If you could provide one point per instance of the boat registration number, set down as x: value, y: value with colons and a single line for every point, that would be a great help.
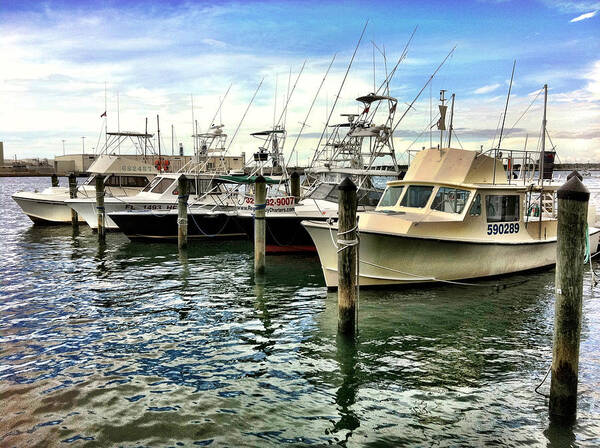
x: 503, y: 228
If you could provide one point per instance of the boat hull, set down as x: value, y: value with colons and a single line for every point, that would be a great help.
x: 45, y: 209
x: 387, y: 259
x: 153, y: 226
x: 284, y: 234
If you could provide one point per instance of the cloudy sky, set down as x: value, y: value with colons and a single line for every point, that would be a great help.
x: 57, y: 57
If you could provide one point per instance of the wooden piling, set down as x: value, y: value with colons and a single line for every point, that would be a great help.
x: 54, y: 180
x: 100, y: 207
x: 260, y: 205
x: 182, y: 218
x: 73, y: 195
x: 573, y: 200
x: 347, y: 257
x: 295, y: 185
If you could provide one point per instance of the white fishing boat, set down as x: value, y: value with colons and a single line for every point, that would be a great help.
x: 123, y: 177
x: 456, y: 215
x: 160, y: 195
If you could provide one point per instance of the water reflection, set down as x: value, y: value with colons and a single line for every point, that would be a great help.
x: 345, y: 397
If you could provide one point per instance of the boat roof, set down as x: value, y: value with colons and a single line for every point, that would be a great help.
x: 455, y: 166
x: 114, y: 164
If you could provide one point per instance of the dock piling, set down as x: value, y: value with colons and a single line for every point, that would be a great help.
x: 54, y: 180
x: 100, y: 207
x: 260, y: 205
x: 347, y: 257
x: 182, y: 218
x: 295, y: 186
x: 73, y: 195
x: 573, y: 199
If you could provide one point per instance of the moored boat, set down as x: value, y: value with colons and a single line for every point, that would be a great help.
x: 456, y: 215
x: 123, y: 177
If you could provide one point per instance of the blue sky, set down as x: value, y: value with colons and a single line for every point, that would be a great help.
x: 59, y: 54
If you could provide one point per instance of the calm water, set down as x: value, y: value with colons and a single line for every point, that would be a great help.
x: 131, y: 344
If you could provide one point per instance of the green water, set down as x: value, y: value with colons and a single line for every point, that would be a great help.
x: 129, y: 344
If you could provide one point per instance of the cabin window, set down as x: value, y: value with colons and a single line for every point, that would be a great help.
x: 391, y: 196
x: 162, y: 185
x: 152, y: 184
x: 476, y: 206
x: 502, y: 208
x: 112, y: 181
x: 416, y: 196
x: 326, y: 192
x: 450, y: 200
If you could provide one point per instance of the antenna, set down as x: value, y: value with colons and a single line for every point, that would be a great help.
x: 308, y: 113
x: 441, y: 124
x: 337, y: 97
x: 451, y: 121
x: 158, y: 132
x: 506, y: 106
x: 421, y: 91
x: 193, y: 125
x: 118, y: 123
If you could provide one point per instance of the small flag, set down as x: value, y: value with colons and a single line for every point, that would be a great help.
x: 103, y: 115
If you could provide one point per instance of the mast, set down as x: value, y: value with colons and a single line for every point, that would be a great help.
x: 146, y: 139
x: 194, y: 132
x: 442, y: 120
x: 118, y: 123
x: 506, y: 106
x: 451, y: 121
x: 105, y: 121
x: 337, y: 97
x: 158, y: 132
x: 543, y: 151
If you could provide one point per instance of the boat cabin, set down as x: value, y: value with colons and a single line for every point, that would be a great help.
x: 464, y: 195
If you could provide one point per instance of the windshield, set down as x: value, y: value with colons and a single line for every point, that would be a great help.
x: 390, y: 196
x: 416, y: 196
x: 450, y: 200
x: 327, y: 192
x: 162, y: 185
x: 151, y: 185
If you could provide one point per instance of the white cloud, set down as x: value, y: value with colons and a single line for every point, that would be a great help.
x: 486, y: 89
x: 587, y: 15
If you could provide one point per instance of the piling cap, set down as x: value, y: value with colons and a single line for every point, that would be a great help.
x: 295, y: 175
x: 574, y: 190
x: 260, y: 180
x: 347, y: 185
x: 575, y: 173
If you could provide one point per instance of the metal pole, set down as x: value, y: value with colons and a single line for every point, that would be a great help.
x: 573, y: 200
